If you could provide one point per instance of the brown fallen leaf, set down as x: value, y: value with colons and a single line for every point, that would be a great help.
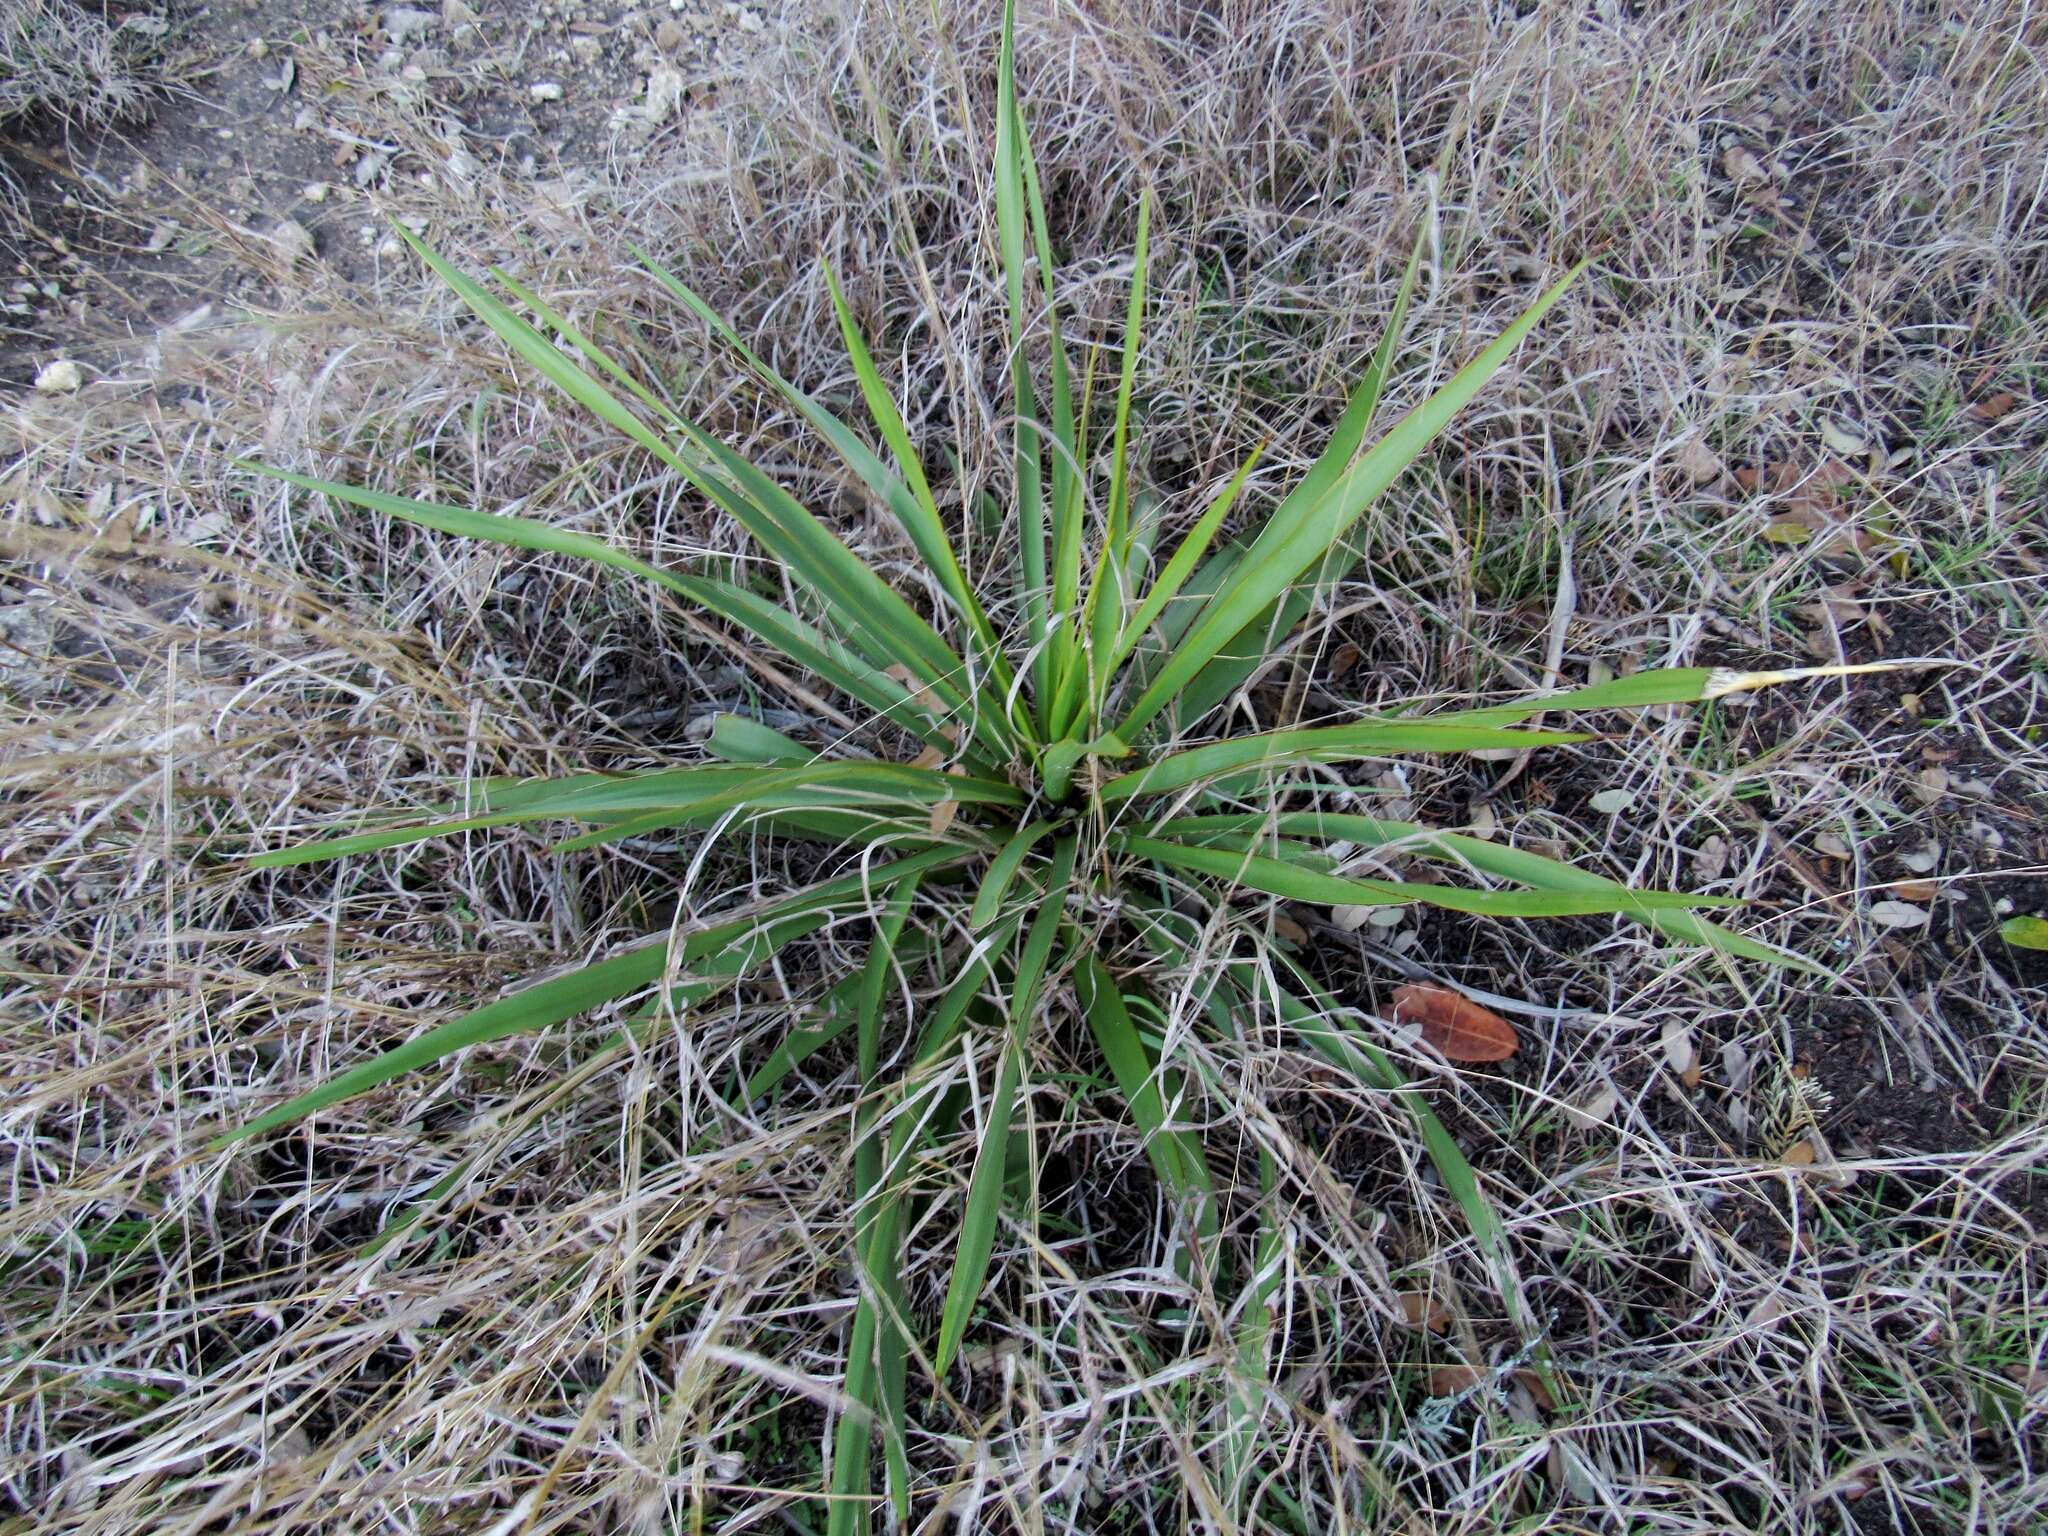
x: 1915, y: 890
x: 1774, y: 478
x: 1288, y: 929
x: 1454, y: 1024
x: 920, y: 695
x: 1992, y: 407
x: 1539, y: 1394
x: 1450, y: 1380
x: 1342, y: 660
x: 942, y: 817
x: 1420, y: 1310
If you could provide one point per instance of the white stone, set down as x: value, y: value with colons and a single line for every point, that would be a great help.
x: 59, y: 378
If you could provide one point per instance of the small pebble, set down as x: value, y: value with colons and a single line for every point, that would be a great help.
x: 59, y: 378
x: 545, y: 90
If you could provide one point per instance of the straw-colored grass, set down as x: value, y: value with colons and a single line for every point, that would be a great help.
x: 1795, y: 1288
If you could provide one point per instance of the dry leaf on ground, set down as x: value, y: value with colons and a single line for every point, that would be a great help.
x: 1454, y: 1024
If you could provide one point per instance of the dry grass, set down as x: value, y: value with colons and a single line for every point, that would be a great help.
x: 1798, y: 1290
x: 78, y: 64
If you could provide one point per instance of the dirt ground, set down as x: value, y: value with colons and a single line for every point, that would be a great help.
x: 280, y: 137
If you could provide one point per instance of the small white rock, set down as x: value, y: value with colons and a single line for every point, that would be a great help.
x: 1612, y: 802
x: 1898, y: 914
x: 403, y: 21
x: 293, y: 240
x: 1843, y: 439
x: 664, y: 93
x: 59, y: 378
x: 545, y: 90
x: 315, y: 191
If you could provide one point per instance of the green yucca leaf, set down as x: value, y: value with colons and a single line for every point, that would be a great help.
x: 1028, y: 450
x: 1320, y: 744
x: 1662, y: 685
x: 1175, y: 1153
x: 1002, y: 870
x: 1501, y: 860
x: 1325, y: 1028
x: 783, y: 631
x: 1272, y: 566
x: 874, y: 1368
x: 1250, y: 1379
x: 1276, y: 877
x: 914, y: 508
x: 1245, y: 652
x: 1066, y: 484
x: 761, y: 933
x: 882, y: 625
x: 985, y: 1185
x: 1102, y: 613
x: 740, y: 739
x: 1119, y: 451
x: 926, y: 528
x: 684, y: 797
x: 1166, y: 587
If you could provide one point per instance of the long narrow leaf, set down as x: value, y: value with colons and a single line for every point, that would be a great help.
x: 882, y: 1293
x: 579, y: 991
x: 1254, y: 642
x: 1166, y: 587
x: 926, y: 528
x: 1324, y: 1028
x: 1659, y: 685
x: 1066, y: 487
x: 1504, y: 861
x: 1002, y: 871
x: 985, y: 1185
x: 1320, y: 744
x: 884, y: 626
x: 1175, y: 1153
x: 1274, y: 565
x: 1259, y: 872
x: 837, y: 665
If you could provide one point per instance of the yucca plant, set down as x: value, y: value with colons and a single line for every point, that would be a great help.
x: 1067, y: 825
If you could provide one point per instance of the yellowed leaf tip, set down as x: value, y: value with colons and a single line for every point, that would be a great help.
x: 1723, y: 681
